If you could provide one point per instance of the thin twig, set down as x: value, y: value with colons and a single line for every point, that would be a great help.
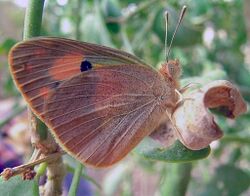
x: 10, y: 172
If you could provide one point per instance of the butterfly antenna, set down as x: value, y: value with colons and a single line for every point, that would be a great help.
x: 183, y: 10
x: 166, y: 35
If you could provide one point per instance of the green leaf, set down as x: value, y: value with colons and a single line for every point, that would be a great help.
x: 94, y: 28
x: 110, y: 9
x: 6, y: 45
x: 177, y: 153
x: 228, y: 180
x: 15, y: 186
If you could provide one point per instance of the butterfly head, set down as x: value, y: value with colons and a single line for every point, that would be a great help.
x: 171, y: 70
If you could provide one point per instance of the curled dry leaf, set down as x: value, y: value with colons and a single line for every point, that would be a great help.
x: 196, y: 127
x: 165, y: 132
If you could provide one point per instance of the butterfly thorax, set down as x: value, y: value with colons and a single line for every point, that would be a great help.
x: 171, y: 70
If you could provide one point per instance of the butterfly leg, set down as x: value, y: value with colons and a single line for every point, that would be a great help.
x: 180, y: 102
x: 186, y: 87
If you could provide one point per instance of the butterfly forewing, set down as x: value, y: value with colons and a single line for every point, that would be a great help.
x: 40, y: 65
x: 100, y: 115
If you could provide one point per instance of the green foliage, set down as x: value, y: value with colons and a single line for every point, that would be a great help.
x: 71, y: 164
x: 8, y: 87
x: 176, y: 179
x: 111, y: 9
x: 75, y: 180
x: 177, y: 153
x: 115, y: 177
x: 228, y: 180
x: 6, y: 45
x: 16, y: 187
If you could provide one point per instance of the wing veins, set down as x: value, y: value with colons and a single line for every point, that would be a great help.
x: 38, y: 105
x: 125, y: 133
x: 44, y: 70
x: 126, y: 75
x: 98, y: 147
x: 89, y: 134
x: 106, y: 106
x: 32, y: 54
x: 61, y: 134
x: 90, y: 112
x: 47, y: 57
x: 54, y: 48
x: 104, y: 95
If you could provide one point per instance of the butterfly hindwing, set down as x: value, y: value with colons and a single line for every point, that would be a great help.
x: 100, y: 115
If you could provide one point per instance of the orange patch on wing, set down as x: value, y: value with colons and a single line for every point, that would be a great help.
x: 65, y: 67
x: 45, y: 92
x: 40, y: 51
x: 98, y: 65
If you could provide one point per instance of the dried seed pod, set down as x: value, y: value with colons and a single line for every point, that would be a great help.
x: 165, y: 132
x: 195, y: 124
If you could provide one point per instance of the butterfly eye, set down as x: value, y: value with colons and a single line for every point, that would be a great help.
x: 172, y: 70
x: 85, y: 65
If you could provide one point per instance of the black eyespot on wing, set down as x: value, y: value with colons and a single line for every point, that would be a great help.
x: 56, y: 84
x: 85, y: 65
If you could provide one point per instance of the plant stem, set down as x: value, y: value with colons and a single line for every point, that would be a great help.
x: 78, y: 19
x: 41, y: 170
x: 41, y: 139
x: 86, y: 177
x: 76, y: 179
x: 33, y: 19
x: 176, y: 182
x: 32, y: 27
x: 235, y: 138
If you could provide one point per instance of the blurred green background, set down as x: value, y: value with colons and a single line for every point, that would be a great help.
x: 212, y: 43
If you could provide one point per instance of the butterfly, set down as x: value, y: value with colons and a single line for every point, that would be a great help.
x: 98, y: 102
